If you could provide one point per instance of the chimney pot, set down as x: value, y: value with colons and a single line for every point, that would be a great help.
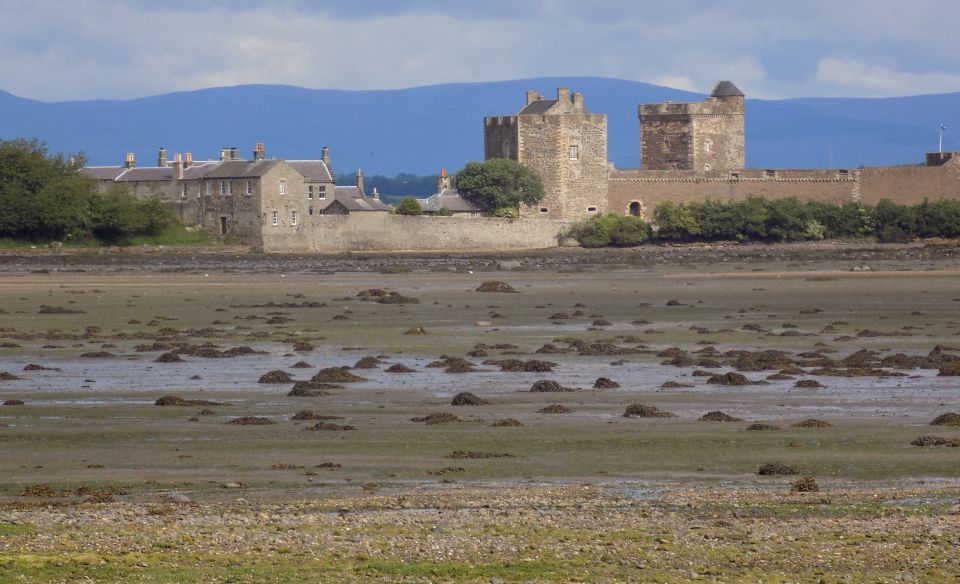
x: 131, y: 161
x: 258, y: 152
x: 162, y: 157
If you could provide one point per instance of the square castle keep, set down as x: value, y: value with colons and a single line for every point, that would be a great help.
x: 561, y: 141
x: 695, y: 136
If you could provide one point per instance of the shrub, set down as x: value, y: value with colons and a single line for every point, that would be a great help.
x: 610, y: 230
x: 895, y: 223
x: 408, y: 206
x: 444, y: 212
x: 675, y: 221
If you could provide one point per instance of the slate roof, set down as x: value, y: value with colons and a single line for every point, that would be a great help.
x: 354, y: 201
x: 103, y: 172
x: 448, y: 199
x: 537, y: 108
x: 241, y: 169
x: 146, y: 174
x: 312, y: 170
x: 726, y: 89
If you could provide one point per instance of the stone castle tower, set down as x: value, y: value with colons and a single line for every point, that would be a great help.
x: 562, y: 142
x: 695, y: 136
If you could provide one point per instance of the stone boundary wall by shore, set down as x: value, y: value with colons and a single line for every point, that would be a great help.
x: 364, y: 232
x: 905, y: 185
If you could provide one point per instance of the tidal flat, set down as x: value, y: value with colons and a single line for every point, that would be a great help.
x: 382, y: 478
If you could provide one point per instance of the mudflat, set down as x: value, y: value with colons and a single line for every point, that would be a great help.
x: 669, y: 414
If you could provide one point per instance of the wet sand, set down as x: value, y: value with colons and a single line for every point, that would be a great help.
x: 89, y: 421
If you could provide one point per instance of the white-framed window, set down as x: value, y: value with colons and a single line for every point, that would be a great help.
x: 223, y: 187
x: 283, y: 186
x: 309, y: 192
x: 230, y: 187
x: 275, y: 218
x: 293, y: 217
x: 574, y: 152
x: 183, y: 191
x: 206, y: 188
x: 249, y: 187
x: 322, y: 192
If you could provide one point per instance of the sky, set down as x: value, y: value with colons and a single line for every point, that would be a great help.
x: 101, y: 49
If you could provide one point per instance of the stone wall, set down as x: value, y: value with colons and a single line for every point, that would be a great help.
x: 650, y: 187
x: 905, y: 185
x: 387, y: 232
x: 910, y: 185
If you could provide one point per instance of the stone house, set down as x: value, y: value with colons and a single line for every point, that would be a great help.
x: 447, y: 197
x: 243, y: 199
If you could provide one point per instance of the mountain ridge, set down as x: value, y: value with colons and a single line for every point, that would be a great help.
x: 421, y: 129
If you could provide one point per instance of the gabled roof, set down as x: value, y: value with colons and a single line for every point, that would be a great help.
x: 102, y: 172
x: 354, y: 201
x: 538, y: 107
x: 312, y: 170
x: 146, y: 174
x: 726, y: 89
x: 448, y: 199
x: 241, y: 169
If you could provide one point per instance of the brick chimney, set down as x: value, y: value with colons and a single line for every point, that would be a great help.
x: 224, y: 154
x: 234, y: 153
x: 578, y: 100
x: 444, y: 181
x: 533, y: 96
x: 131, y: 161
x: 187, y: 159
x: 363, y: 193
x: 258, y: 152
x: 375, y: 194
x: 563, y: 95
x: 325, y: 156
x: 162, y: 157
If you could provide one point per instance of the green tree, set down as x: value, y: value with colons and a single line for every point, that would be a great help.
x: 499, y: 183
x: 408, y: 206
x: 42, y: 196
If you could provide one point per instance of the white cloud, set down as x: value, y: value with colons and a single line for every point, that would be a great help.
x: 863, y: 79
x: 676, y: 82
x: 111, y: 49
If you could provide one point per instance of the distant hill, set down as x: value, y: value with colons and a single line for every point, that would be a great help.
x: 422, y: 129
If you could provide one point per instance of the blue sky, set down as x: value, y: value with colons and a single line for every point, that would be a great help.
x: 85, y: 49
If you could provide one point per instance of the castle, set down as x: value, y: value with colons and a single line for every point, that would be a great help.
x: 689, y: 152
